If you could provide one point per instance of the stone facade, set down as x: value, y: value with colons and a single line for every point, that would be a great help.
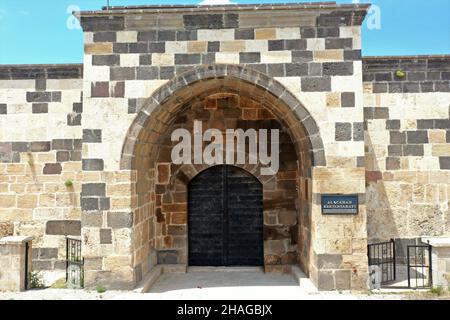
x: 349, y: 126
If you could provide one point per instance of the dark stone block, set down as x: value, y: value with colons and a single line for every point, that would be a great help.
x: 166, y: 72
x: 213, y: 46
x: 62, y: 156
x: 121, y: 47
x: 395, y: 87
x: 332, y: 32
x: 40, y: 146
x: 104, y: 203
x: 74, y: 119
x: 352, y: 55
x: 92, y: 164
x: 427, y: 86
x: 77, y: 107
x: 339, y: 43
x: 360, y: 162
x: 435, y: 76
x: 348, y: 99
x: 105, y: 37
x: 60, y: 264
x: 316, y: 84
x: 296, y: 69
x: 295, y: 44
x: 122, y: 73
x: 307, y: 32
x: 77, y: 144
x: 92, y: 135
x: 62, y: 144
x: 132, y: 103
x: 75, y: 156
x: 103, y: 23
x: 89, y: 204
x: 39, y: 265
x: 444, y: 163
x: 147, y: 73
x: 186, y: 35
x: 39, y: 97
x: 415, y: 150
x: 144, y: 36
x: 193, y: 58
x: 358, y: 131
x: 442, y: 86
x: 166, y: 35
x: 63, y: 227
x: 392, y: 124
x: 417, y: 137
x: 276, y: 70
x: 381, y: 113
x: 395, y: 150
x: 208, y: 58
x: 441, y: 124
x: 56, y: 96
x: 47, y: 253
x: 249, y: 57
x: 157, y: 47
x: 411, y: 87
x: 145, y: 59
x: 105, y: 236
x: 338, y: 68
x: 439, y: 64
x: 416, y: 76
x: 99, y: 89
x: 231, y: 20
x: 302, y: 56
x: 397, y: 137
x: 3, y: 108
x: 425, y: 124
x: 276, y: 45
x: 343, y: 131
x: 203, y: 21
x: 368, y: 77
x: 447, y: 136
x: 380, y: 87
x: 106, y: 60
x: 392, y: 163
x: 93, y: 189
x: 413, y: 65
x: 118, y: 220
x: 383, y: 76
x: 21, y: 146
x: 139, y: 47
x: 167, y: 257
x: 41, y: 84
x: 244, y: 34
x: 343, y: 279
x: 52, y: 168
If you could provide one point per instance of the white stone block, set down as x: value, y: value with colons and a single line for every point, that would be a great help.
x: 215, y: 35
x: 126, y: 36
x: 129, y: 60
x: 227, y: 57
x: 276, y: 57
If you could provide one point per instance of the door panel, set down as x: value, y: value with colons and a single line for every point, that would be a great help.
x: 225, y: 218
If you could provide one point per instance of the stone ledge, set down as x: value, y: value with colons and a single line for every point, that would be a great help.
x: 41, y: 71
x: 16, y: 239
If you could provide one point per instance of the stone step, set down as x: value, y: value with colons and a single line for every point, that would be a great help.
x: 303, y: 280
x: 149, y: 280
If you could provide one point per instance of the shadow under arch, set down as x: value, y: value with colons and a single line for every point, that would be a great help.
x: 142, y: 146
x: 201, y: 81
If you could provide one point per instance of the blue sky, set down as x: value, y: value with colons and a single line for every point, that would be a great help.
x: 33, y: 31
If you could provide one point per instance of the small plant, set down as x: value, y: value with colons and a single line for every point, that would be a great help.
x: 439, y: 290
x: 100, y: 289
x: 400, y: 74
x: 68, y: 183
x: 36, y: 280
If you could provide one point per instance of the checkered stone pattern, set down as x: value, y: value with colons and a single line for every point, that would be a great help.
x: 314, y: 54
x: 40, y: 152
x: 407, y: 147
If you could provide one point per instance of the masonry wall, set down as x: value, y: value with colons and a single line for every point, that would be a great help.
x: 314, y: 54
x: 40, y: 150
x: 407, y: 140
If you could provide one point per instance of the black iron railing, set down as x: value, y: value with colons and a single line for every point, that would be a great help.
x: 382, y: 254
x: 419, y: 266
x: 74, y: 263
